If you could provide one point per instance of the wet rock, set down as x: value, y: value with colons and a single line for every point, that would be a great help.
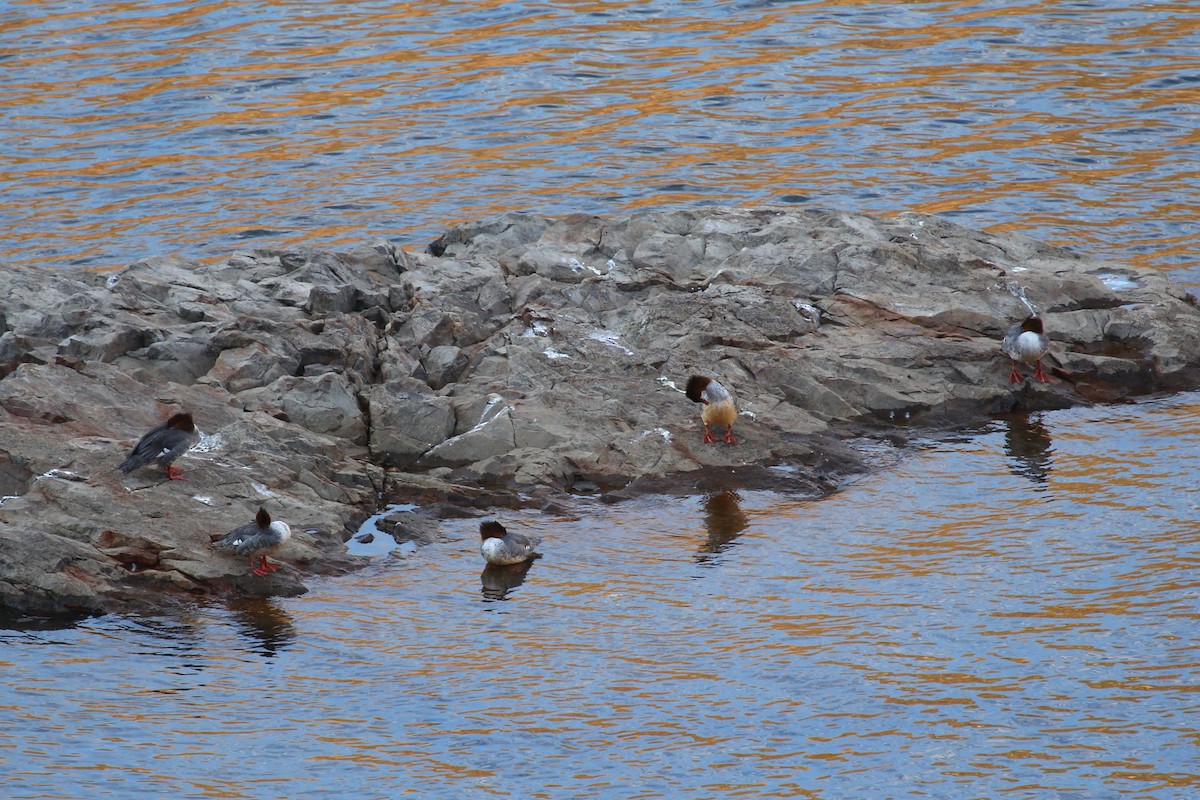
x: 407, y: 525
x: 518, y: 358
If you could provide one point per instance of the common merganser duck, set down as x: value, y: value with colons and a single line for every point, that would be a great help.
x: 1026, y: 342
x: 500, y: 547
x: 257, y: 539
x: 718, y: 405
x: 164, y: 442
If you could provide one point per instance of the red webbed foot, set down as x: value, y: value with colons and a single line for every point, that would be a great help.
x: 1037, y: 373
x: 174, y: 473
x: 263, y: 567
x: 1014, y: 376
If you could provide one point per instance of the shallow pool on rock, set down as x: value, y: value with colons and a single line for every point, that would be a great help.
x: 1010, y: 613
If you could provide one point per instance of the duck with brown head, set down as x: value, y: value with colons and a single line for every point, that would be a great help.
x: 717, y: 406
x: 257, y: 540
x: 499, y: 547
x: 165, y: 443
x: 1026, y: 342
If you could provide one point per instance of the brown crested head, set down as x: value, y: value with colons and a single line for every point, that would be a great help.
x: 182, y: 422
x: 1032, y: 324
x: 262, y: 519
x: 695, y: 387
x: 491, y: 530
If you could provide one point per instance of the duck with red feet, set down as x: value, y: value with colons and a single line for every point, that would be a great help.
x: 164, y: 443
x: 257, y: 540
x: 1026, y: 342
x: 717, y: 406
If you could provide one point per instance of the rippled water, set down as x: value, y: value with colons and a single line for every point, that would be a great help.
x: 1008, y: 614
x: 134, y: 129
x: 1012, y: 613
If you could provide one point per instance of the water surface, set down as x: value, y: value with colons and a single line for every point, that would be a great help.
x: 200, y: 127
x: 1007, y: 614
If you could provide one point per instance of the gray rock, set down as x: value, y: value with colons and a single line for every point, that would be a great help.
x: 328, y: 301
x: 519, y: 357
x: 407, y: 419
x: 181, y: 360
x: 240, y: 368
x: 493, y: 434
x: 102, y: 345
x: 324, y: 404
x: 443, y: 365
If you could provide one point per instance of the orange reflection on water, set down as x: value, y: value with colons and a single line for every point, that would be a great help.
x: 409, y: 123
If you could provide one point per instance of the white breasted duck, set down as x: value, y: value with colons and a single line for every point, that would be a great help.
x: 165, y: 443
x: 499, y: 547
x: 1026, y: 342
x: 257, y: 540
x: 718, y: 406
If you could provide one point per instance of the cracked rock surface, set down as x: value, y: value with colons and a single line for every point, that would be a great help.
x: 520, y: 359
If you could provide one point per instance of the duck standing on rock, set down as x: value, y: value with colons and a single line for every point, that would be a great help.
x: 1026, y: 342
x: 165, y: 442
x: 257, y: 539
x: 500, y: 548
x: 718, y: 407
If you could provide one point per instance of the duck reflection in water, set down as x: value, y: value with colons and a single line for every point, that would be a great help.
x: 1028, y: 446
x: 498, y: 580
x: 724, y: 520
x: 264, y: 623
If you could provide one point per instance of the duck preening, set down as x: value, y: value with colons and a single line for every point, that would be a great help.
x: 1026, y: 342
x: 717, y: 406
x: 165, y: 443
x: 499, y: 547
x: 257, y: 540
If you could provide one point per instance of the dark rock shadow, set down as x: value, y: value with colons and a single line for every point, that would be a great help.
x: 16, y: 621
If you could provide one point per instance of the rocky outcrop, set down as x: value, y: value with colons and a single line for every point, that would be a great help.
x: 518, y: 360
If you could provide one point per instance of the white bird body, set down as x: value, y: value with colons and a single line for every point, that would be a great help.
x: 257, y: 539
x: 1026, y: 342
x: 499, y: 547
